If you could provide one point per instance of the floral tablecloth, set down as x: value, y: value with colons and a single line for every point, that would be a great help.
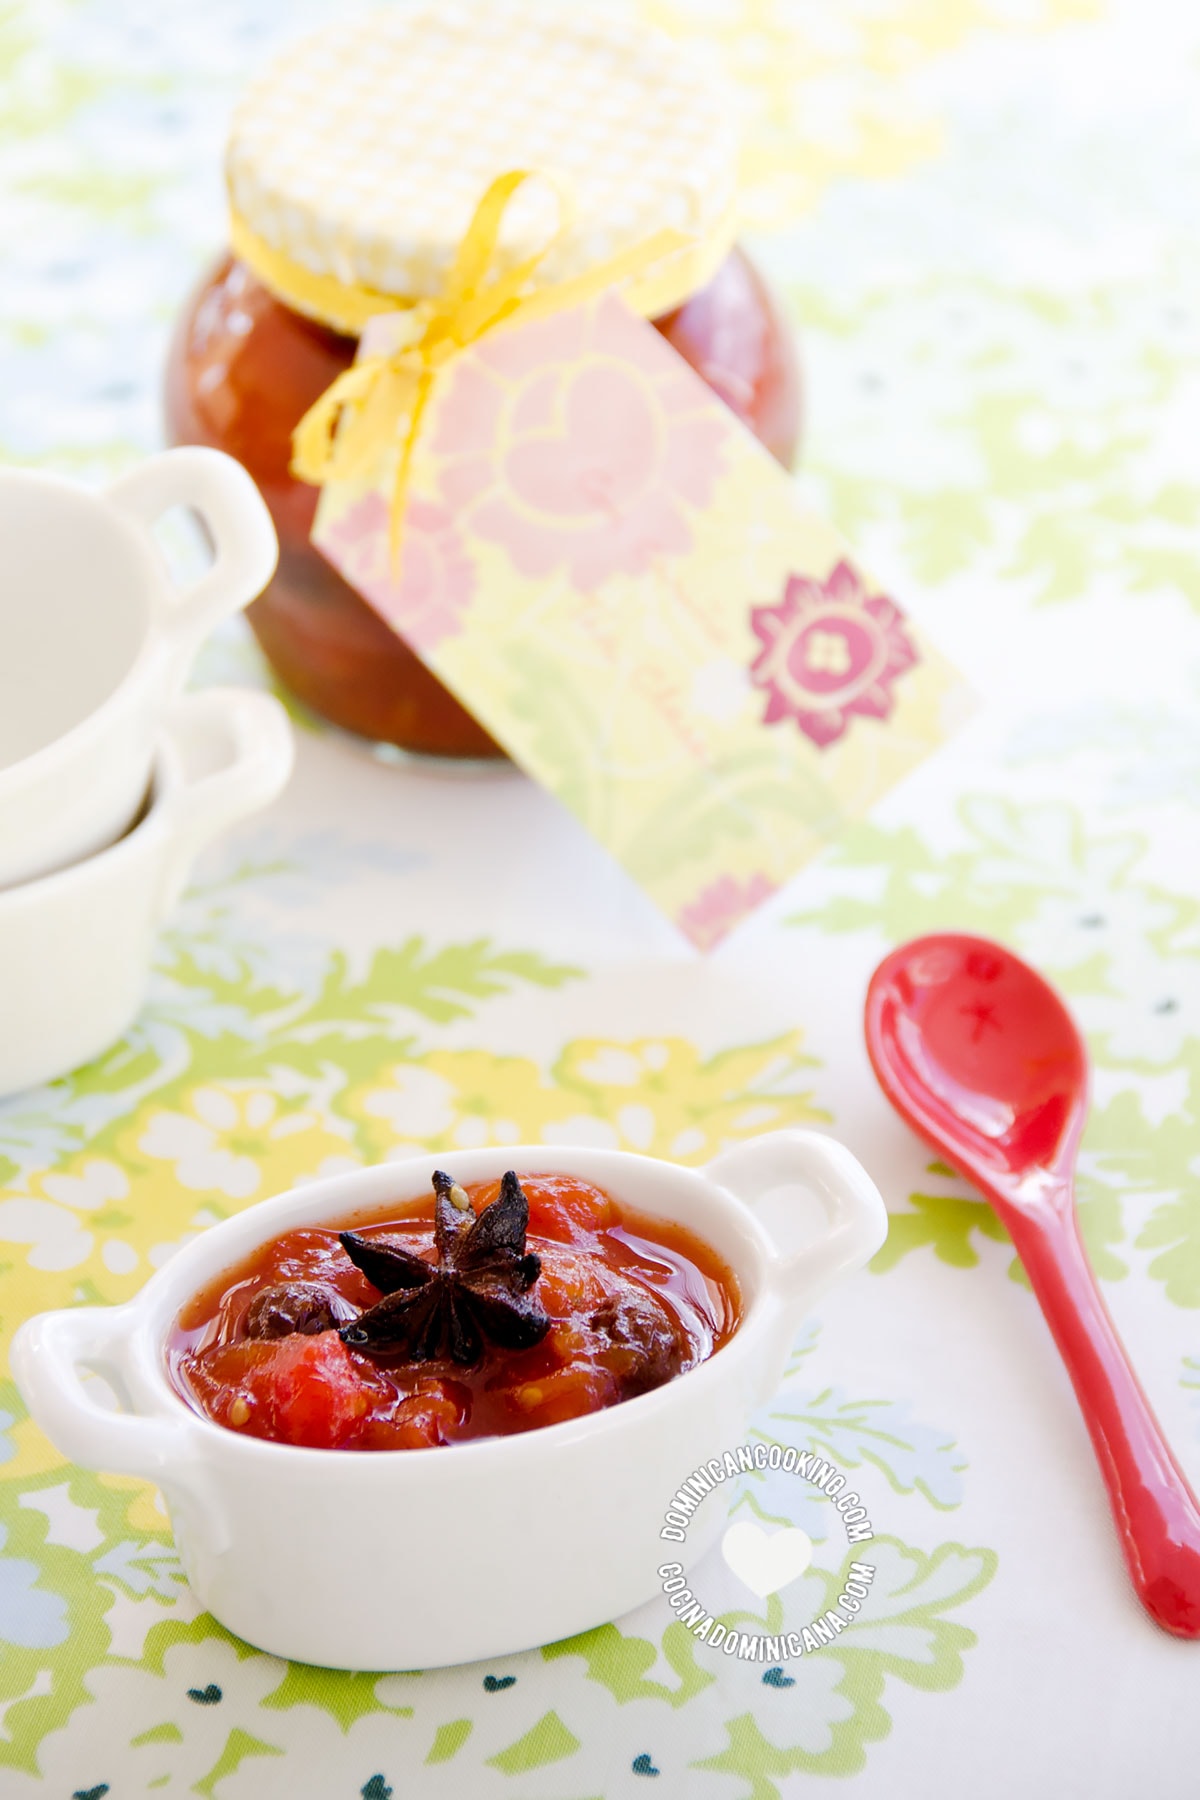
x: 985, y: 215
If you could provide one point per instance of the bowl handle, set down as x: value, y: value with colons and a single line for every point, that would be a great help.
x: 235, y: 519
x: 46, y: 1356
x: 771, y: 1167
x: 254, y: 744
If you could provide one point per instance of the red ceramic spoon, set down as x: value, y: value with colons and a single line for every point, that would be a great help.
x: 981, y: 1057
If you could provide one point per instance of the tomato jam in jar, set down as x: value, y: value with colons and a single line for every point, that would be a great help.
x: 354, y: 165
x: 481, y: 1312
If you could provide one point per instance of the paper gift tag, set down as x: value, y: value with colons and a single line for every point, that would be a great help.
x: 609, y: 571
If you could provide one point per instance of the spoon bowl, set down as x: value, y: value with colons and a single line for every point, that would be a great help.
x: 969, y: 1041
x: 978, y: 1053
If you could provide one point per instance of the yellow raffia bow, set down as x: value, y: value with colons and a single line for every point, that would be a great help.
x: 382, y: 398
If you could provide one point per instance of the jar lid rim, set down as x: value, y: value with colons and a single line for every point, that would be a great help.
x: 357, y: 158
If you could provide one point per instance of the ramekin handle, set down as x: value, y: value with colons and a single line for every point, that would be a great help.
x: 250, y: 735
x: 780, y: 1162
x: 47, y: 1354
x: 236, y: 520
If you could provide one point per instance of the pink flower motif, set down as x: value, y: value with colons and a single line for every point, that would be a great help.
x: 579, y: 443
x: 437, y: 578
x: 829, y: 650
x: 721, y: 905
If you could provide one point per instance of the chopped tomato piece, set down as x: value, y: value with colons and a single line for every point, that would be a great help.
x: 571, y: 1282
x: 564, y: 1393
x: 572, y: 1211
x: 316, y: 1391
x: 297, y: 1389
x: 433, y: 1414
x: 561, y: 1207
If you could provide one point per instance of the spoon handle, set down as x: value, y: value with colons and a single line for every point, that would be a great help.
x: 1154, y: 1509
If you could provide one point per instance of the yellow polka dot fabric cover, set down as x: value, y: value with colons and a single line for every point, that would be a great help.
x: 361, y: 153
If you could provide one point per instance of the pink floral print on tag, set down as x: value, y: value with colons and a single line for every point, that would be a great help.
x: 722, y: 905
x: 424, y: 596
x: 829, y: 651
x: 581, y: 444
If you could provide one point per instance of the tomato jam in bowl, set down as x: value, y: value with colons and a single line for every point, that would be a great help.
x: 552, y: 1381
x: 511, y: 1305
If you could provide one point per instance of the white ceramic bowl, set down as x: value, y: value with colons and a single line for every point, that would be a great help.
x: 96, y: 641
x: 416, y: 1558
x: 75, y: 946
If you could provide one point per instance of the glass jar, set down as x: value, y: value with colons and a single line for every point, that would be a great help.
x: 248, y: 360
x: 242, y: 371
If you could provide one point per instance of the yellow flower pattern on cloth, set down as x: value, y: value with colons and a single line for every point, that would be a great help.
x: 241, y: 1144
x: 58, y: 1216
x: 97, y: 1227
x: 660, y: 1097
x: 857, y: 110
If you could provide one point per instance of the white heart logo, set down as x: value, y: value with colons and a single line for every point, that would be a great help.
x: 766, y: 1561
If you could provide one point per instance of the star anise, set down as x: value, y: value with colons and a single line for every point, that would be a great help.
x: 476, y: 1293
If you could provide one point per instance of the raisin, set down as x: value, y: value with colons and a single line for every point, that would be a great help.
x: 298, y: 1306
x: 645, y: 1346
